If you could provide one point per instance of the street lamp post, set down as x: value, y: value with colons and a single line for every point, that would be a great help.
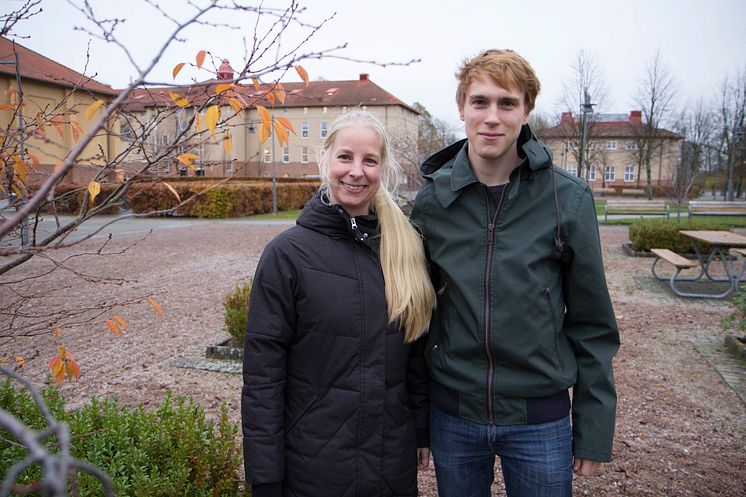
x: 586, y: 108
x: 738, y: 134
x: 274, y: 177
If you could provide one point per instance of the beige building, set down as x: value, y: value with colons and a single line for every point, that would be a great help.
x: 309, y: 109
x: 54, y: 98
x: 613, y: 154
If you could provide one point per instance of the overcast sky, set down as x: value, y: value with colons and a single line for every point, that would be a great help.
x: 701, y: 42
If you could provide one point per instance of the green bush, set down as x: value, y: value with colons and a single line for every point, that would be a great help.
x: 737, y: 320
x: 173, y: 450
x: 664, y: 233
x: 236, y: 306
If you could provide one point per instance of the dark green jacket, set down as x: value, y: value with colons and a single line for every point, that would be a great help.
x: 515, y: 327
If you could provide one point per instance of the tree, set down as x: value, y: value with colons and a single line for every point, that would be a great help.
x: 432, y: 134
x: 585, y: 84
x: 731, y: 119
x: 75, y: 135
x: 655, y: 94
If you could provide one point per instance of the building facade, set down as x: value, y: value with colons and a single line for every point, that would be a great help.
x: 615, y: 151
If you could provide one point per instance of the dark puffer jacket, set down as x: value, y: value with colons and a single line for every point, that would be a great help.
x: 331, y: 393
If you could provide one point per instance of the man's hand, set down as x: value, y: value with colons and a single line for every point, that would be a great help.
x: 423, y: 458
x: 586, y: 467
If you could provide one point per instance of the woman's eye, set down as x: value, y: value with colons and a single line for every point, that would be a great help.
x: 343, y: 157
x: 371, y: 162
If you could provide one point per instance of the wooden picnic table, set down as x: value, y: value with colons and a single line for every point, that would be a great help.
x: 721, y: 244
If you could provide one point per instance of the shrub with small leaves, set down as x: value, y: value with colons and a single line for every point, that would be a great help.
x: 173, y: 450
x: 664, y: 233
x: 737, y: 320
x: 236, y: 305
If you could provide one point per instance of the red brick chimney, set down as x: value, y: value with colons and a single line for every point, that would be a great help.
x: 363, y: 76
x: 566, y: 118
x: 225, y: 71
x: 635, y: 116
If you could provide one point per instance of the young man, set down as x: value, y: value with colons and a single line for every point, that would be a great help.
x: 523, y: 312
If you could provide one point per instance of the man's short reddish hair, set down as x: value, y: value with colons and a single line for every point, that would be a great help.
x: 506, y: 68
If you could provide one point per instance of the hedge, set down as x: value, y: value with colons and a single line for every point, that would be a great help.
x: 664, y: 233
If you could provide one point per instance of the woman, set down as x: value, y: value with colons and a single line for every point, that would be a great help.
x: 334, y: 401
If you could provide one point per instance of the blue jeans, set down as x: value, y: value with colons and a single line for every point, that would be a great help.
x: 536, y: 460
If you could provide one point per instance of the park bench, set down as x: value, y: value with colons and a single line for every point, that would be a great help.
x: 677, y: 261
x: 716, y: 208
x: 638, y: 207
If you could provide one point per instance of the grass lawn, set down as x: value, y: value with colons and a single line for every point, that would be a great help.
x: 281, y: 215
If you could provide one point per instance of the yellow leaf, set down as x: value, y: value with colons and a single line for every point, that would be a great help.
x: 264, y: 116
x: 271, y: 98
x: 178, y: 68
x: 94, y: 188
x: 223, y: 87
x: 235, y: 104
x: 4, y: 361
x: 281, y: 133
x: 302, y: 73
x: 20, y: 361
x: 280, y: 93
x: 228, y: 142
x: 91, y: 109
x: 256, y: 84
x: 200, y: 58
x: 187, y: 159
x: 21, y: 169
x: 157, y: 307
x: 176, y: 194
x: 212, y: 116
x: 120, y: 320
x: 57, y: 331
x: 263, y: 133
x: 179, y: 100
x: 198, y: 121
x: 287, y: 124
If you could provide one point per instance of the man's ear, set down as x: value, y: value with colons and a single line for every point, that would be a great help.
x: 461, y: 113
x: 525, y: 118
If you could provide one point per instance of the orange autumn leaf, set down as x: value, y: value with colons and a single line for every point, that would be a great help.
x: 271, y: 98
x: 263, y: 133
x: 198, y: 121
x: 264, y: 116
x: 64, y: 364
x: 228, y: 142
x: 235, y: 104
x: 156, y: 307
x: 57, y: 331
x: 113, y: 327
x: 223, y: 87
x: 200, y: 58
x: 280, y: 93
x: 176, y: 194
x: 21, y: 170
x: 281, y: 133
x: 120, y: 321
x: 19, y: 360
x: 188, y: 159
x: 178, y: 68
x: 77, y: 130
x: 255, y: 82
x: 91, y: 109
x: 287, y: 124
x: 302, y: 73
x: 179, y: 100
x: 94, y: 188
x: 212, y: 116
x: 7, y: 107
x: 57, y: 123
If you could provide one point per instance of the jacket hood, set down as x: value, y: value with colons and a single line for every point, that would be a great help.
x: 529, y: 147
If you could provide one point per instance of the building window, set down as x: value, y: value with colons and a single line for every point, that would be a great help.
x: 629, y: 174
x: 611, y: 145
x: 592, y: 173
x: 165, y: 167
x: 126, y: 132
x: 286, y: 155
x: 325, y: 110
x: 229, y: 167
x: 572, y: 169
x: 252, y: 130
x: 324, y: 129
x: 305, y: 110
x: 610, y: 173
x: 164, y: 140
x: 304, y: 155
x: 631, y: 145
x: 267, y: 156
x: 304, y: 129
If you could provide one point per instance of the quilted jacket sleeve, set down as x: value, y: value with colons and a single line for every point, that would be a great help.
x: 271, y: 325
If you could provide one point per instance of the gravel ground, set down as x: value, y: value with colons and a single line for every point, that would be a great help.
x: 681, y: 431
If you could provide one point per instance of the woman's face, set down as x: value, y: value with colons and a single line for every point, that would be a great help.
x: 355, y: 168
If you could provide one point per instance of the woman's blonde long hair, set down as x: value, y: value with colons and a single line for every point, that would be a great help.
x: 409, y: 292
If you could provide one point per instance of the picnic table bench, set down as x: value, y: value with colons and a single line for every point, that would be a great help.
x: 716, y: 208
x: 636, y: 207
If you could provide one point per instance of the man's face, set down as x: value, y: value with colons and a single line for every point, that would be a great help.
x: 493, y: 117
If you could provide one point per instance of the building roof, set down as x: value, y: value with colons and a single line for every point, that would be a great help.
x: 347, y: 93
x: 39, y: 68
x: 604, y: 126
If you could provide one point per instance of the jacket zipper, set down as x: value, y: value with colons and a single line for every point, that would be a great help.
x: 487, y: 297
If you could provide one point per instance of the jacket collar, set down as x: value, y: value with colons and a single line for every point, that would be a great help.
x: 451, y: 171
